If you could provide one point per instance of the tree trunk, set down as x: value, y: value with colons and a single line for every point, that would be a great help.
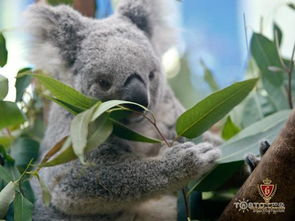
x: 85, y: 7
x: 277, y: 165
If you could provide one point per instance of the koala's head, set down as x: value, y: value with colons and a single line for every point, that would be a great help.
x: 113, y: 58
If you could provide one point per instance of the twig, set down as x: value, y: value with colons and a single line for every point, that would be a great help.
x: 290, y: 79
x: 246, y: 34
x: 154, y: 123
x: 8, y: 132
x: 187, y: 210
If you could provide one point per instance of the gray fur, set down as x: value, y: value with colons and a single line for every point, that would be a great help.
x: 124, y: 180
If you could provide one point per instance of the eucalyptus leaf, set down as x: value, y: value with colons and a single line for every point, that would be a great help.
x: 277, y: 33
x: 235, y: 150
x: 291, y: 5
x: 120, y: 130
x: 10, y: 114
x: 64, y: 92
x: 57, y: 147
x: 263, y: 125
x: 79, y: 131
x: 204, y: 114
x: 103, y: 129
x: 46, y: 196
x: 3, y: 50
x: 209, y: 78
x: 105, y: 106
x: 3, y: 87
x: 22, y: 83
x: 23, y: 208
x: 23, y: 150
x: 4, y: 174
x: 7, y: 195
x: 251, y: 111
x: 229, y: 129
x: 265, y: 54
x: 218, y: 176
x: 71, y: 108
x: 65, y: 155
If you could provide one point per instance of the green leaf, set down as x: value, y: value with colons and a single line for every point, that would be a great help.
x: 105, y: 106
x: 3, y: 87
x: 58, y: 2
x: 22, y: 83
x: 65, y: 155
x: 234, y: 150
x: 203, y: 115
x: 7, y: 195
x: 291, y: 5
x: 263, y: 125
x: 23, y: 150
x: 265, y: 54
x: 10, y: 114
x: 102, y: 130
x: 277, y: 33
x: 229, y: 129
x: 79, y: 131
x: 4, y: 174
x: 209, y: 78
x: 72, y: 109
x: 6, y: 141
x: 217, y: 177
x: 3, y: 50
x: 120, y: 130
x: 23, y: 208
x: 65, y: 93
x: 252, y: 111
x: 27, y: 191
x: 46, y: 196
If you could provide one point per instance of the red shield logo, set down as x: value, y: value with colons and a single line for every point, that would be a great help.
x: 267, y: 190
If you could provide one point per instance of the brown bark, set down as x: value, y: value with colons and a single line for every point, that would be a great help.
x: 85, y: 7
x: 278, y: 165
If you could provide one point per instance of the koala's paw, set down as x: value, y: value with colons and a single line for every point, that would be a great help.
x: 196, y: 159
x: 252, y: 160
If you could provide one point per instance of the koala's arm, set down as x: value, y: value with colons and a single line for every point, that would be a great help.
x: 118, y: 178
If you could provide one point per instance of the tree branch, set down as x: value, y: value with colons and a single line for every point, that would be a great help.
x: 278, y: 165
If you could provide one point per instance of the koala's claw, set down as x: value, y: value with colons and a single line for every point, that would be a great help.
x: 252, y: 160
x: 263, y: 147
x: 201, y: 157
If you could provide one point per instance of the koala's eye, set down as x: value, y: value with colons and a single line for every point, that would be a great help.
x: 152, y: 75
x: 104, y: 84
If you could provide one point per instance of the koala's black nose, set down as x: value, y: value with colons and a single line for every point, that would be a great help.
x: 135, y: 91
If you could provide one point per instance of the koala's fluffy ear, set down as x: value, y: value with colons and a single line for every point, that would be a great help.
x: 154, y: 17
x: 56, y: 35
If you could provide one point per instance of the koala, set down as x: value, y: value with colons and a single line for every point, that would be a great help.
x: 118, y: 57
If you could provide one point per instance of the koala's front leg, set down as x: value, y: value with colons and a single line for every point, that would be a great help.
x: 119, y: 181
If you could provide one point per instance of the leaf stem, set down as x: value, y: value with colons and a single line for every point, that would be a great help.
x: 154, y: 123
x: 187, y: 210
